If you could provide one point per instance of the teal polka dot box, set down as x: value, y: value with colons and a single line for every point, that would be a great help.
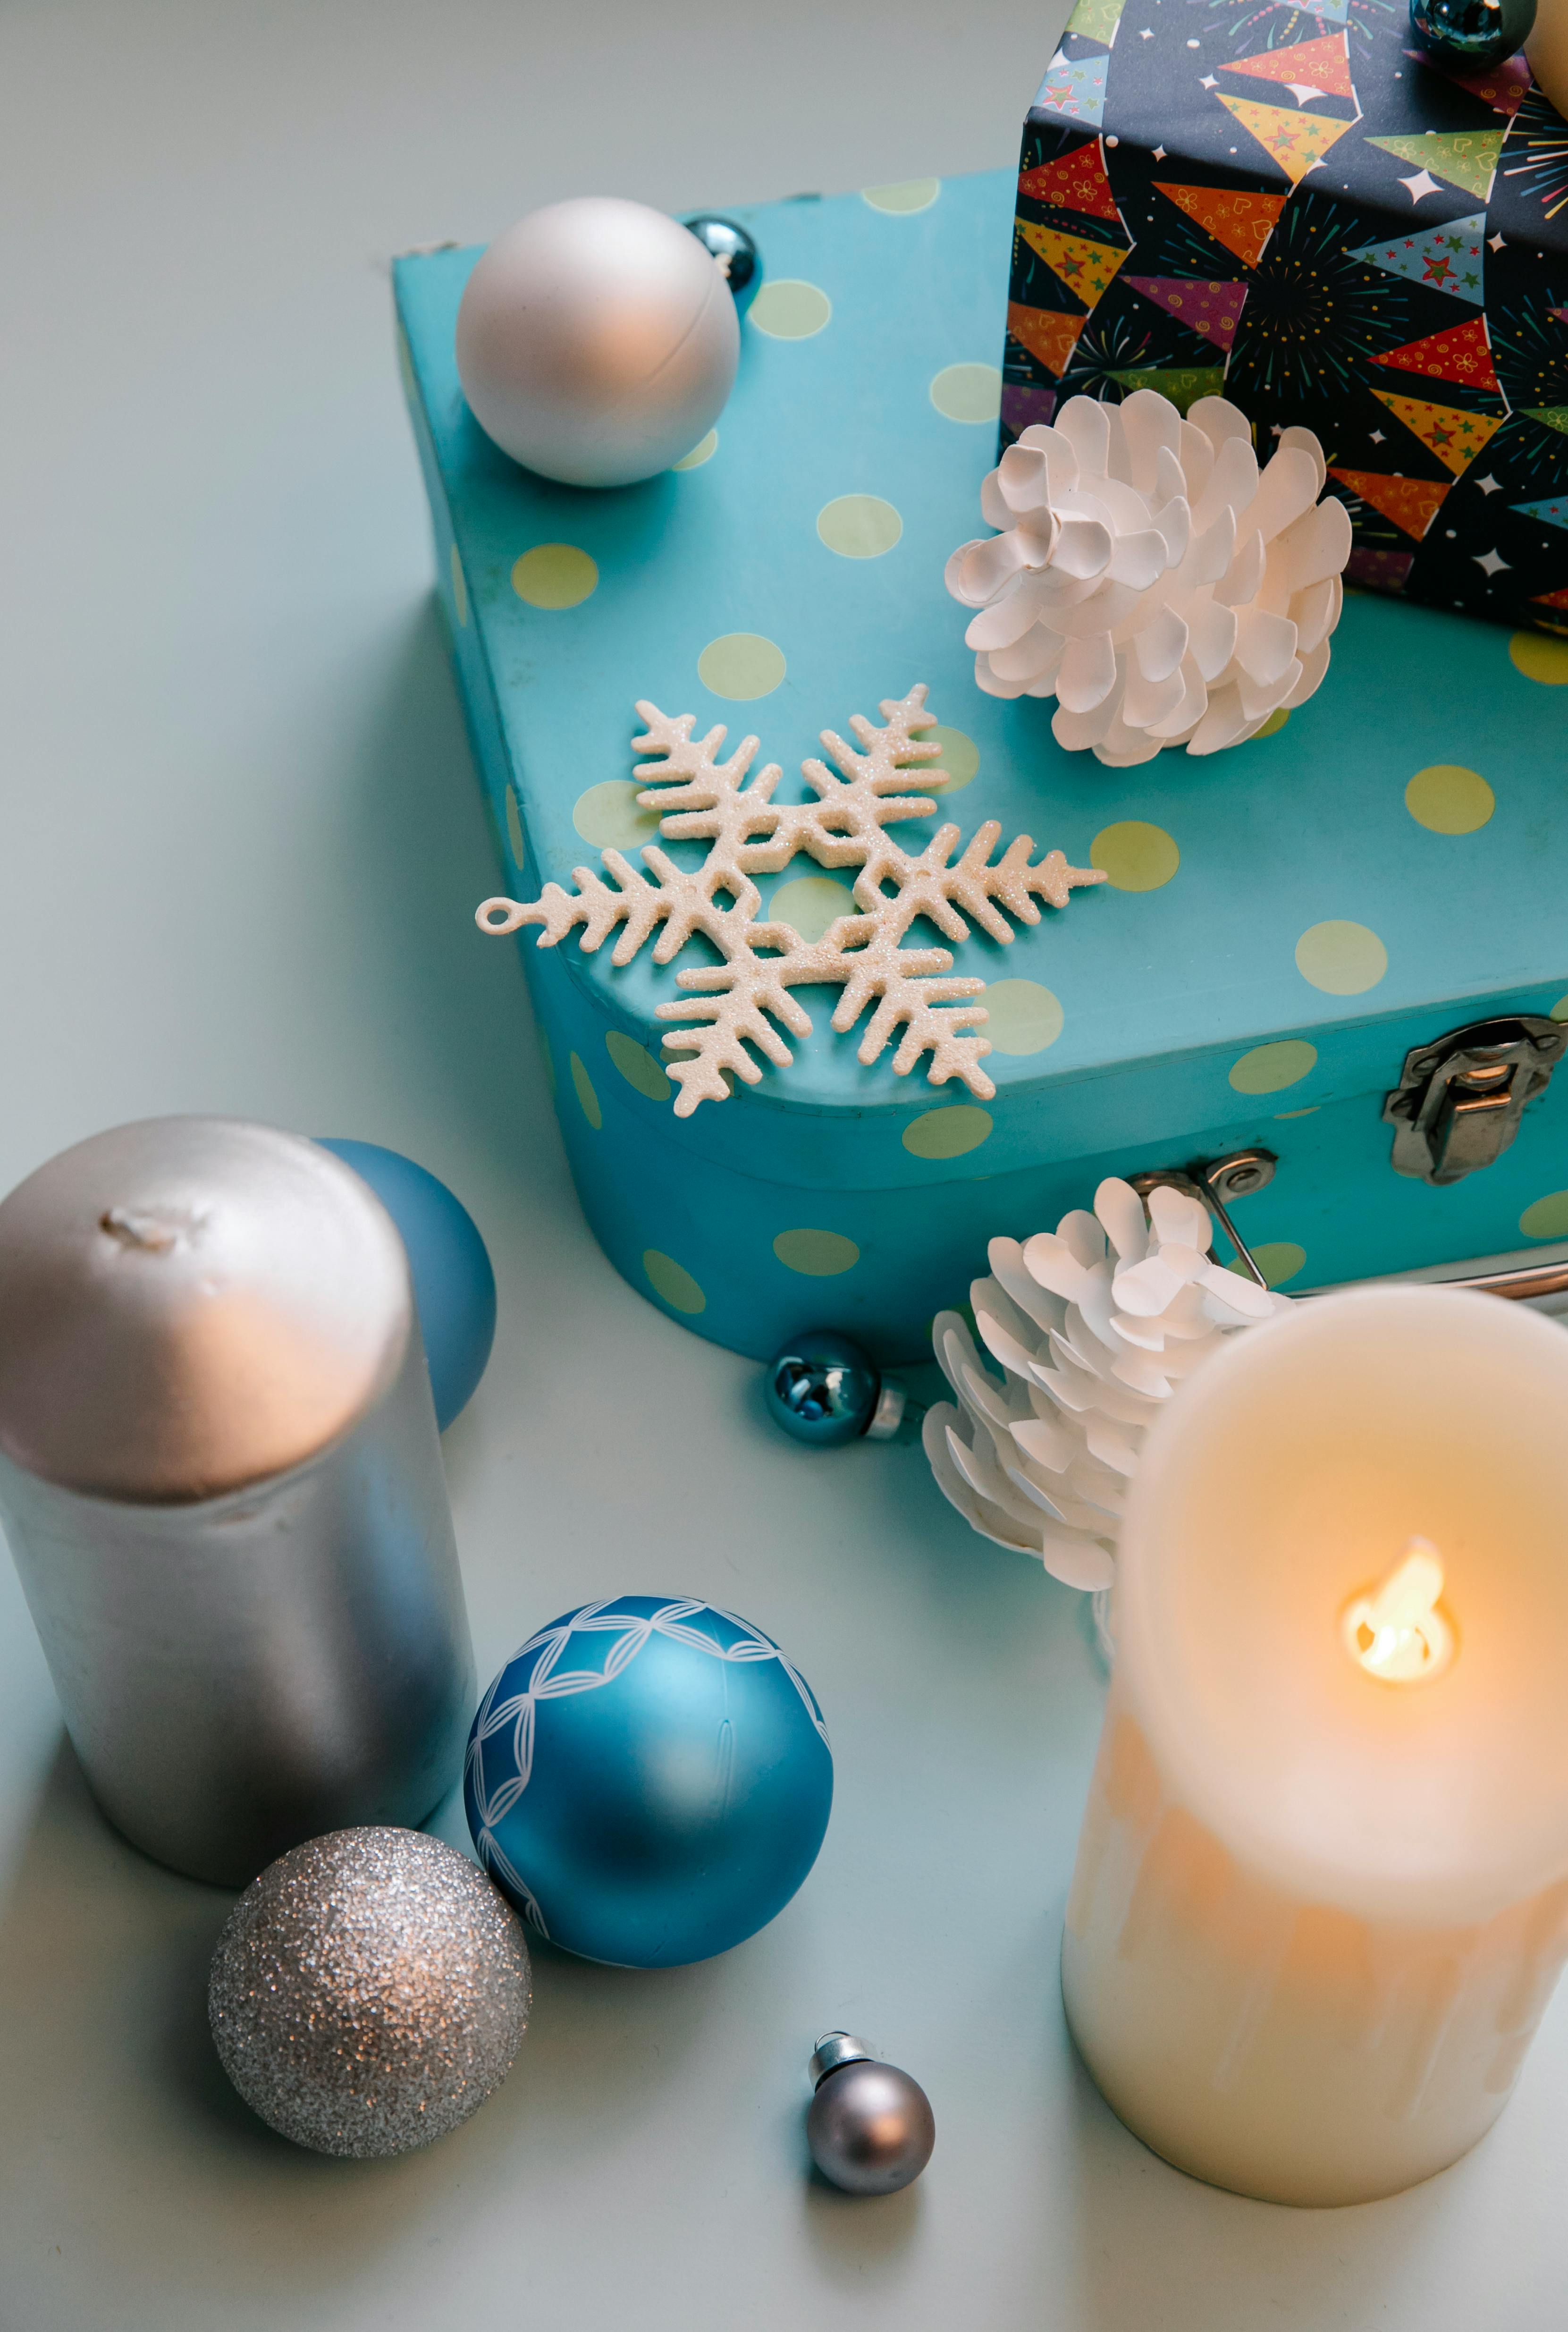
x: 1280, y: 929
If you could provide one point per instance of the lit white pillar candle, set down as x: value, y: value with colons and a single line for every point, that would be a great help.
x: 1548, y: 52
x: 1322, y: 1890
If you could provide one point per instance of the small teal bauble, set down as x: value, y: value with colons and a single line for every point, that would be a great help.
x: 734, y: 249
x: 648, y: 1780
x: 1467, y: 35
x: 453, y: 1285
x: 822, y: 1388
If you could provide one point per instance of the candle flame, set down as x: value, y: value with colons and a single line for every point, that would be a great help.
x: 1395, y: 1630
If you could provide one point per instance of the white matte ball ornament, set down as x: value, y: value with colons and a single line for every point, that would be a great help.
x: 598, y: 342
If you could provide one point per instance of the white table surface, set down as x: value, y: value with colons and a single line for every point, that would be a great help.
x: 240, y: 849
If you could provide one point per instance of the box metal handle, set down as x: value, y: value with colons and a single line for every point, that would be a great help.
x: 1213, y: 1180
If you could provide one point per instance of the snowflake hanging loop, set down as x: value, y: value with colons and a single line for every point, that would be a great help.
x: 738, y: 1007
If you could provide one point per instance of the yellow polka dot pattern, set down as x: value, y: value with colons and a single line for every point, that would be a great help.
x: 1341, y: 958
x: 1277, y: 1260
x: 1448, y: 799
x: 582, y: 1085
x: 1540, y: 657
x: 672, y: 1282
x: 911, y: 195
x: 967, y: 392
x: 959, y: 758
x: 638, y: 1065
x: 1547, y: 1219
x: 790, y: 310
x: 1269, y: 1068
x: 817, y: 1254
x: 702, y: 451
x: 514, y: 837
x: 859, y: 526
x: 742, y: 666
x: 1134, y: 856
x: 555, y: 575
x: 1560, y: 1009
x: 947, y: 1132
x: 809, y: 904
x: 1023, y: 1017
x: 611, y: 816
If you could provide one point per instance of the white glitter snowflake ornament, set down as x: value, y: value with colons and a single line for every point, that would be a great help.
x: 1151, y: 578
x: 743, y: 1002
x: 1094, y: 1325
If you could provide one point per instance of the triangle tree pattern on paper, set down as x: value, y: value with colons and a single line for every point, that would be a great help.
x: 1213, y: 310
x: 1397, y: 281
x: 1049, y: 336
x: 1454, y: 436
x: 1449, y: 258
x: 1075, y: 87
x: 1297, y: 141
x: 1554, y: 511
x: 1503, y: 87
x: 738, y: 1005
x: 1234, y: 215
x: 1462, y: 354
x: 1463, y: 158
x: 1322, y: 65
x: 1412, y: 503
x: 1075, y: 181
x: 1086, y: 268
x: 1097, y: 20
x: 1182, y: 384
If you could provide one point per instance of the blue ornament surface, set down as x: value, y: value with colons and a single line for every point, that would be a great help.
x: 648, y: 1780
x: 822, y: 1388
x: 453, y: 1285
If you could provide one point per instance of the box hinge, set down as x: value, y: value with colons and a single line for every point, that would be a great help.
x: 1459, y: 1102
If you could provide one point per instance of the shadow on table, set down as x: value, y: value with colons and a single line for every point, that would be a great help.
x: 121, y: 2136
x: 412, y: 857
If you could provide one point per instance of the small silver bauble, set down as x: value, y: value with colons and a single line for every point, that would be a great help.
x: 870, y: 2129
x: 597, y: 341
x: 368, y: 1992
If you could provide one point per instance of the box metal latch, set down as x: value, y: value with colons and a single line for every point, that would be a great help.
x: 1459, y: 1102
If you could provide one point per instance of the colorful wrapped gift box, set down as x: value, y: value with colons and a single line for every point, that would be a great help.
x: 1281, y: 923
x: 1288, y: 206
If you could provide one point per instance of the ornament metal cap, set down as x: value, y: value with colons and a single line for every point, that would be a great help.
x: 835, y: 2049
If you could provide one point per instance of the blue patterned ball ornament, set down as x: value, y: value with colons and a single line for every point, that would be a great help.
x: 453, y: 1285
x: 648, y: 1780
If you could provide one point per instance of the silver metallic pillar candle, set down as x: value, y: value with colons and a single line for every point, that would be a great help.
x: 221, y: 1481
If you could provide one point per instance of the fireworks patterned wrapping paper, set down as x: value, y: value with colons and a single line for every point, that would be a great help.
x: 1286, y: 207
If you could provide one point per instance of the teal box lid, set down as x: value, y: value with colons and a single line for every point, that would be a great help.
x: 1389, y: 864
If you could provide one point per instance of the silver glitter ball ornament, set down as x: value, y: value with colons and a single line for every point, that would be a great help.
x: 870, y: 2129
x: 368, y: 1992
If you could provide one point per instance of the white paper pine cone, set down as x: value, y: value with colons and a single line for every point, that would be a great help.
x: 1093, y: 1325
x: 1149, y: 577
